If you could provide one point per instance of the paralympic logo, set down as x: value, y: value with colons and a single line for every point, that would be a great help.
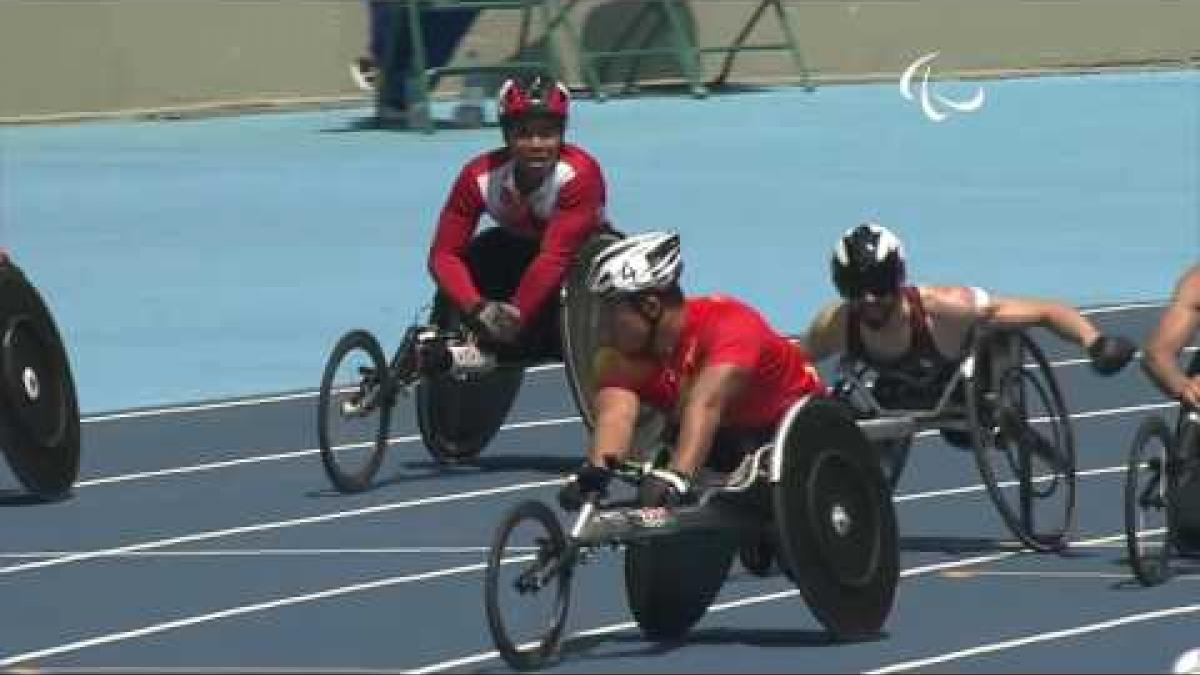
x: 927, y: 100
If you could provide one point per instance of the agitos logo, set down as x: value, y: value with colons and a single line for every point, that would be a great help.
x: 927, y: 98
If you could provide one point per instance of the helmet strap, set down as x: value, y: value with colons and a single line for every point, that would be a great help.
x: 654, y: 319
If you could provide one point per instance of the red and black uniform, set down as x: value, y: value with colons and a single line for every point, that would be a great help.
x: 722, y: 330
x: 525, y: 258
x: 916, y: 378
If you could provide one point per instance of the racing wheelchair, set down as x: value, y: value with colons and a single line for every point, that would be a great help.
x: 817, y: 488
x: 1002, y: 402
x: 457, y: 414
x: 39, y: 412
x: 1162, y: 495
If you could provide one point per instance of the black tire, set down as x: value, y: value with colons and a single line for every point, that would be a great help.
x: 344, y: 384
x: 671, y: 581
x: 553, y: 565
x: 1022, y: 467
x: 583, y: 355
x: 1148, y: 485
x: 757, y: 554
x: 836, y: 521
x: 458, y: 418
x: 39, y: 410
x: 893, y: 457
x: 1185, y: 495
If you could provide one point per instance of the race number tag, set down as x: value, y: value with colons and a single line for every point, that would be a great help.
x: 652, y: 516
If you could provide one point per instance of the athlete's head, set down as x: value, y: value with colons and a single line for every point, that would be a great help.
x: 868, y: 268
x: 638, y: 278
x: 533, y: 114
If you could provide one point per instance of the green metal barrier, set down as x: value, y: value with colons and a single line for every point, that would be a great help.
x: 561, y: 38
x: 552, y: 16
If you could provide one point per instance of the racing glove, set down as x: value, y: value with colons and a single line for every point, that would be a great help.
x: 664, y: 487
x: 589, y: 480
x: 1110, y: 354
x: 497, y: 321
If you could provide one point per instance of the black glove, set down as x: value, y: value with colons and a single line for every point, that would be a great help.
x: 496, y: 321
x: 664, y: 487
x: 588, y: 481
x: 1110, y: 354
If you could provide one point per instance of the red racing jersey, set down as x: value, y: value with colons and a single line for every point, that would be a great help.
x: 562, y: 213
x: 720, y: 329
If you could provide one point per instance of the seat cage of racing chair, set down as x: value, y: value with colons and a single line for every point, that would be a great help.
x: 405, y: 364
x: 716, y: 507
x: 889, y: 424
x: 626, y: 521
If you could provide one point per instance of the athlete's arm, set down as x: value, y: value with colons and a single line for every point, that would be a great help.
x: 826, y: 334
x: 448, y: 253
x: 1108, y: 354
x: 579, y: 212
x: 616, y: 415
x: 1064, y: 321
x: 1175, y: 329
x: 715, y: 387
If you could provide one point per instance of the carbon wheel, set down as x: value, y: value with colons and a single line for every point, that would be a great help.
x: 39, y: 411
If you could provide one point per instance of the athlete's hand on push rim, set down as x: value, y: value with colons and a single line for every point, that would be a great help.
x: 1189, y: 395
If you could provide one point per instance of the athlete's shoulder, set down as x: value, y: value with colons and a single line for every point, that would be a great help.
x: 487, y: 161
x: 721, y: 305
x: 580, y: 162
x: 1187, y: 291
x: 952, y: 299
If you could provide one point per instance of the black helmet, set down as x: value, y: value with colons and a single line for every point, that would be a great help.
x: 868, y: 259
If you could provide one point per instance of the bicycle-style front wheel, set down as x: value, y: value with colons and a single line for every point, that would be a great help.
x: 527, y: 586
x: 1023, y: 441
x: 354, y: 411
x: 1148, y: 513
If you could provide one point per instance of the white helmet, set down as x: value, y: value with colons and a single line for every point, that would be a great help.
x: 644, y: 262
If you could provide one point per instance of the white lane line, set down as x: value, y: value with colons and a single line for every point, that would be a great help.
x: 1040, y: 637
x: 153, y: 545
x: 968, y: 574
x: 521, y: 425
x: 382, y: 583
x: 91, y: 482
x: 946, y: 492
x: 207, y: 670
x: 748, y: 601
x: 238, y: 611
x: 1105, y: 412
x: 217, y: 534
x: 264, y: 552
x: 276, y: 525
x: 196, y: 407
x: 236, y: 403
x: 396, y: 440
x: 1137, y: 356
x: 1110, y: 309
x: 392, y: 581
x: 61, y: 558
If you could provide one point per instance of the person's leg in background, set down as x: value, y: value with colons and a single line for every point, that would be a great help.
x: 390, y: 33
x: 442, y: 32
x: 366, y: 68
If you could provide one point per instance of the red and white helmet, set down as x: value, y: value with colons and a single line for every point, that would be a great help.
x: 538, y: 96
